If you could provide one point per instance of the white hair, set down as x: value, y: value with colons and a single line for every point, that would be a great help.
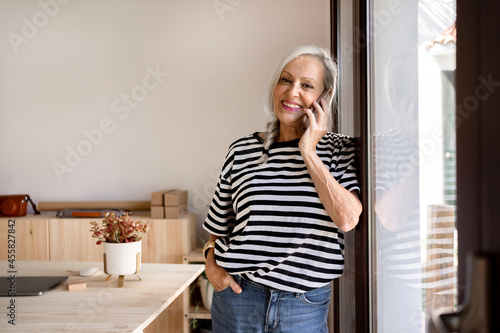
x: 330, y: 82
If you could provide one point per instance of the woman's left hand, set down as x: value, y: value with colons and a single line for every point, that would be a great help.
x: 318, y: 126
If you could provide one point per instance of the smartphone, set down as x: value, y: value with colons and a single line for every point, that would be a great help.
x: 313, y: 109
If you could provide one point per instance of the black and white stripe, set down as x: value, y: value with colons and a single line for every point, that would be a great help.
x: 274, y: 229
x: 398, y: 250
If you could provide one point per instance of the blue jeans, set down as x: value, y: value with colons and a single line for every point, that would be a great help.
x: 260, y: 309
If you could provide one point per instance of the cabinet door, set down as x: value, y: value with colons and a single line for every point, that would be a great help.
x: 30, y: 236
x: 71, y: 240
x: 169, y: 240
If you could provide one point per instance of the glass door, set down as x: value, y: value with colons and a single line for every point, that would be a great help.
x: 411, y: 57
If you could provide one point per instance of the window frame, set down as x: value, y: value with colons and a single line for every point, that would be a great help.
x: 357, y: 241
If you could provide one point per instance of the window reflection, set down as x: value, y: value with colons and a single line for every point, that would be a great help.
x: 413, y: 141
x: 397, y: 206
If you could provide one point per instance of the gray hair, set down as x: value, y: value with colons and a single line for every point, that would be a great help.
x: 330, y: 82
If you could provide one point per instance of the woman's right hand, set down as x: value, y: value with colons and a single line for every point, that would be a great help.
x: 218, y: 276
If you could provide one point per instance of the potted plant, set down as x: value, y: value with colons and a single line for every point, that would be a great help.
x: 206, y: 288
x: 207, y: 291
x: 121, y: 237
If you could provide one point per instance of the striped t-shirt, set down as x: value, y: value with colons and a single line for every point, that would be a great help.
x: 273, y: 228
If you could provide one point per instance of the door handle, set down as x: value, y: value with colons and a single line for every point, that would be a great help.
x: 474, y: 315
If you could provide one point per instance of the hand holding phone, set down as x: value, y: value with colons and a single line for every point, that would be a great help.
x: 313, y: 109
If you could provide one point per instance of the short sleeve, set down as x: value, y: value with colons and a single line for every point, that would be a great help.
x: 221, y: 217
x: 344, y: 163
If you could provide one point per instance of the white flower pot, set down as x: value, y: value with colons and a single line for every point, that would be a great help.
x: 207, y: 291
x: 122, y: 258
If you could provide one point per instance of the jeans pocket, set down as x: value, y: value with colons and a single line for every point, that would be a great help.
x: 317, y: 297
x: 223, y: 290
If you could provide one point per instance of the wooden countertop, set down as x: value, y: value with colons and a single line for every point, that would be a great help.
x: 102, y: 307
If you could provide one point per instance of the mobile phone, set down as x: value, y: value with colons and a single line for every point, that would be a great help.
x: 313, y: 109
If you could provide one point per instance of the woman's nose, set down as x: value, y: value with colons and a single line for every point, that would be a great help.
x: 294, y: 90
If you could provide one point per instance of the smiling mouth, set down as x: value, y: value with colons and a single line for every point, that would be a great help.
x: 291, y: 106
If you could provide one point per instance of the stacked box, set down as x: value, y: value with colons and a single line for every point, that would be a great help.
x: 175, y: 203
x: 168, y: 204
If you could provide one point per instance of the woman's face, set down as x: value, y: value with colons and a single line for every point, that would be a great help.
x: 300, y: 84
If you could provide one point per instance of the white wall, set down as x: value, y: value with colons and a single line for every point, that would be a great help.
x: 67, y: 69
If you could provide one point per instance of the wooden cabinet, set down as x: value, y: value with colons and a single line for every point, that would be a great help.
x: 191, y: 310
x: 30, y: 236
x: 39, y: 237
x: 71, y: 240
x: 167, y: 241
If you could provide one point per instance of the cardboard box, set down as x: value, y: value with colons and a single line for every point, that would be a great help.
x: 157, y: 197
x: 173, y: 212
x: 157, y: 212
x: 175, y: 198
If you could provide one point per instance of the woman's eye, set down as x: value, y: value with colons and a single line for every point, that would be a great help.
x: 307, y: 86
x: 285, y: 80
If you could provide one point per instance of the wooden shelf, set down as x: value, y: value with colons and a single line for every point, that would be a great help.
x: 201, y: 313
x: 194, y: 256
x: 190, y: 311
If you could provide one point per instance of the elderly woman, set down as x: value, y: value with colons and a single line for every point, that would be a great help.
x: 283, y: 201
